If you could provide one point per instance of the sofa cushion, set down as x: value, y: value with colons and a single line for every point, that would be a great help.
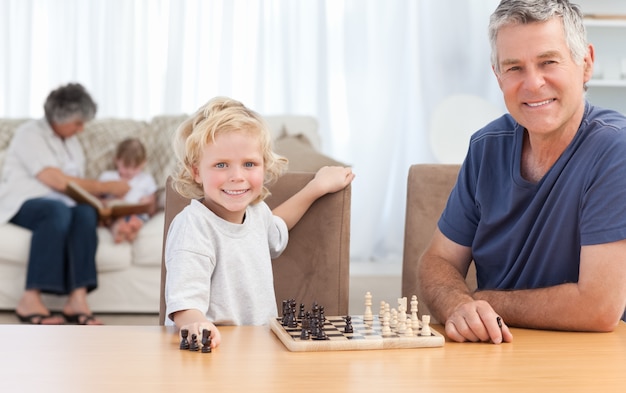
x: 147, y: 246
x: 302, y: 155
x: 14, y: 243
x: 111, y: 256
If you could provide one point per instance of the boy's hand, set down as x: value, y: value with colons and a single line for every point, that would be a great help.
x: 333, y: 178
x: 197, y: 327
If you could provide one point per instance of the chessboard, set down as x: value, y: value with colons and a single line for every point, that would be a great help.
x: 365, y: 335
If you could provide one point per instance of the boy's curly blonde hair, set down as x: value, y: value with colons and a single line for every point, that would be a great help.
x: 218, y: 116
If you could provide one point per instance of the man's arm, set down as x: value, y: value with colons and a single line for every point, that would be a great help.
x: 595, y: 303
x: 441, y: 276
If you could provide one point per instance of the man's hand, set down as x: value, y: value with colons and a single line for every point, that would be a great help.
x: 477, y: 322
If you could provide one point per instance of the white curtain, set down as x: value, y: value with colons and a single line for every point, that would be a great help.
x: 370, y: 71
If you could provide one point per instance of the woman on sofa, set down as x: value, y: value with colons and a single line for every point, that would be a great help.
x: 44, y: 155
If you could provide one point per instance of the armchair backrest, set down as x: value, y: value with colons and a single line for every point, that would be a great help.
x: 428, y: 188
x: 315, y: 266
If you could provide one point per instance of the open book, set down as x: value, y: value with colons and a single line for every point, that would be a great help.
x: 112, y: 208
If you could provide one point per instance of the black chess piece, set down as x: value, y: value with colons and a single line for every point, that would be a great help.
x: 206, y: 341
x: 184, y: 343
x: 193, y: 345
x: 301, y: 313
x: 319, y: 332
x: 348, y: 328
x: 285, y: 312
x: 304, y: 334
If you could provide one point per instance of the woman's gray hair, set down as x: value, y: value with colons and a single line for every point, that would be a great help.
x: 68, y: 103
x: 529, y: 11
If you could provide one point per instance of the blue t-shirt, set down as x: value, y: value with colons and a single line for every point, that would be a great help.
x: 528, y: 235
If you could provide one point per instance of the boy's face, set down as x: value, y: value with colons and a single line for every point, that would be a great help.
x: 127, y: 172
x: 231, y: 173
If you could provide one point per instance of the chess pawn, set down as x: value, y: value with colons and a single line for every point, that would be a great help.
x: 401, y: 326
x: 381, y: 313
x: 193, y: 345
x: 304, y: 334
x: 408, y: 332
x: 425, y: 326
x: 386, y: 330
x: 367, y: 315
x: 393, y: 321
x: 348, y: 328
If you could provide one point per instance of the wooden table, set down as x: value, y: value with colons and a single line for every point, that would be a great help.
x: 252, y: 359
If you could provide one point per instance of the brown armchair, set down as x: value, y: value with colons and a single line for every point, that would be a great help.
x: 315, y: 266
x: 428, y: 188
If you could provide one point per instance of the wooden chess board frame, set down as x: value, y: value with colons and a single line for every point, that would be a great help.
x: 366, y: 336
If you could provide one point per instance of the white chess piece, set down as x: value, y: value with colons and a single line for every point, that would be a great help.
x: 381, y: 313
x: 367, y: 315
x: 425, y: 326
x: 415, y: 322
x: 409, y: 330
x: 386, y: 329
x: 393, y: 322
x: 401, y: 326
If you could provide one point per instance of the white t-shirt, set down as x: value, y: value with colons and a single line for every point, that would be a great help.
x: 141, y: 185
x: 34, y: 147
x: 223, y: 269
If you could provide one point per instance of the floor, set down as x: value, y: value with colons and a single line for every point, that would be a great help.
x: 383, y: 282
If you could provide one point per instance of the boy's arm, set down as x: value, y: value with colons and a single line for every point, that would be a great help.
x: 328, y: 179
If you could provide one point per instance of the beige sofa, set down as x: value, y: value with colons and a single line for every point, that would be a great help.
x: 129, y: 274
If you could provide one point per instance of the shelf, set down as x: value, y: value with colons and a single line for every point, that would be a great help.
x: 607, y: 21
x: 607, y: 82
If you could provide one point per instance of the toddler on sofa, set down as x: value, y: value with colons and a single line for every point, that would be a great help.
x: 130, y: 162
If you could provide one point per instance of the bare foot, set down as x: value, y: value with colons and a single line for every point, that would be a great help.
x: 134, y: 225
x: 120, y: 230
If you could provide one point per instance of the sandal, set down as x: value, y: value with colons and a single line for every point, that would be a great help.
x: 80, y: 318
x: 35, y: 319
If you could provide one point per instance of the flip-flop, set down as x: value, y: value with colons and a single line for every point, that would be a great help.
x: 79, y: 318
x: 34, y: 319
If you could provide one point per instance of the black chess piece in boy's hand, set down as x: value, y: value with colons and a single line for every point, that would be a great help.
x: 193, y: 345
x: 184, y: 343
x: 206, y: 341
